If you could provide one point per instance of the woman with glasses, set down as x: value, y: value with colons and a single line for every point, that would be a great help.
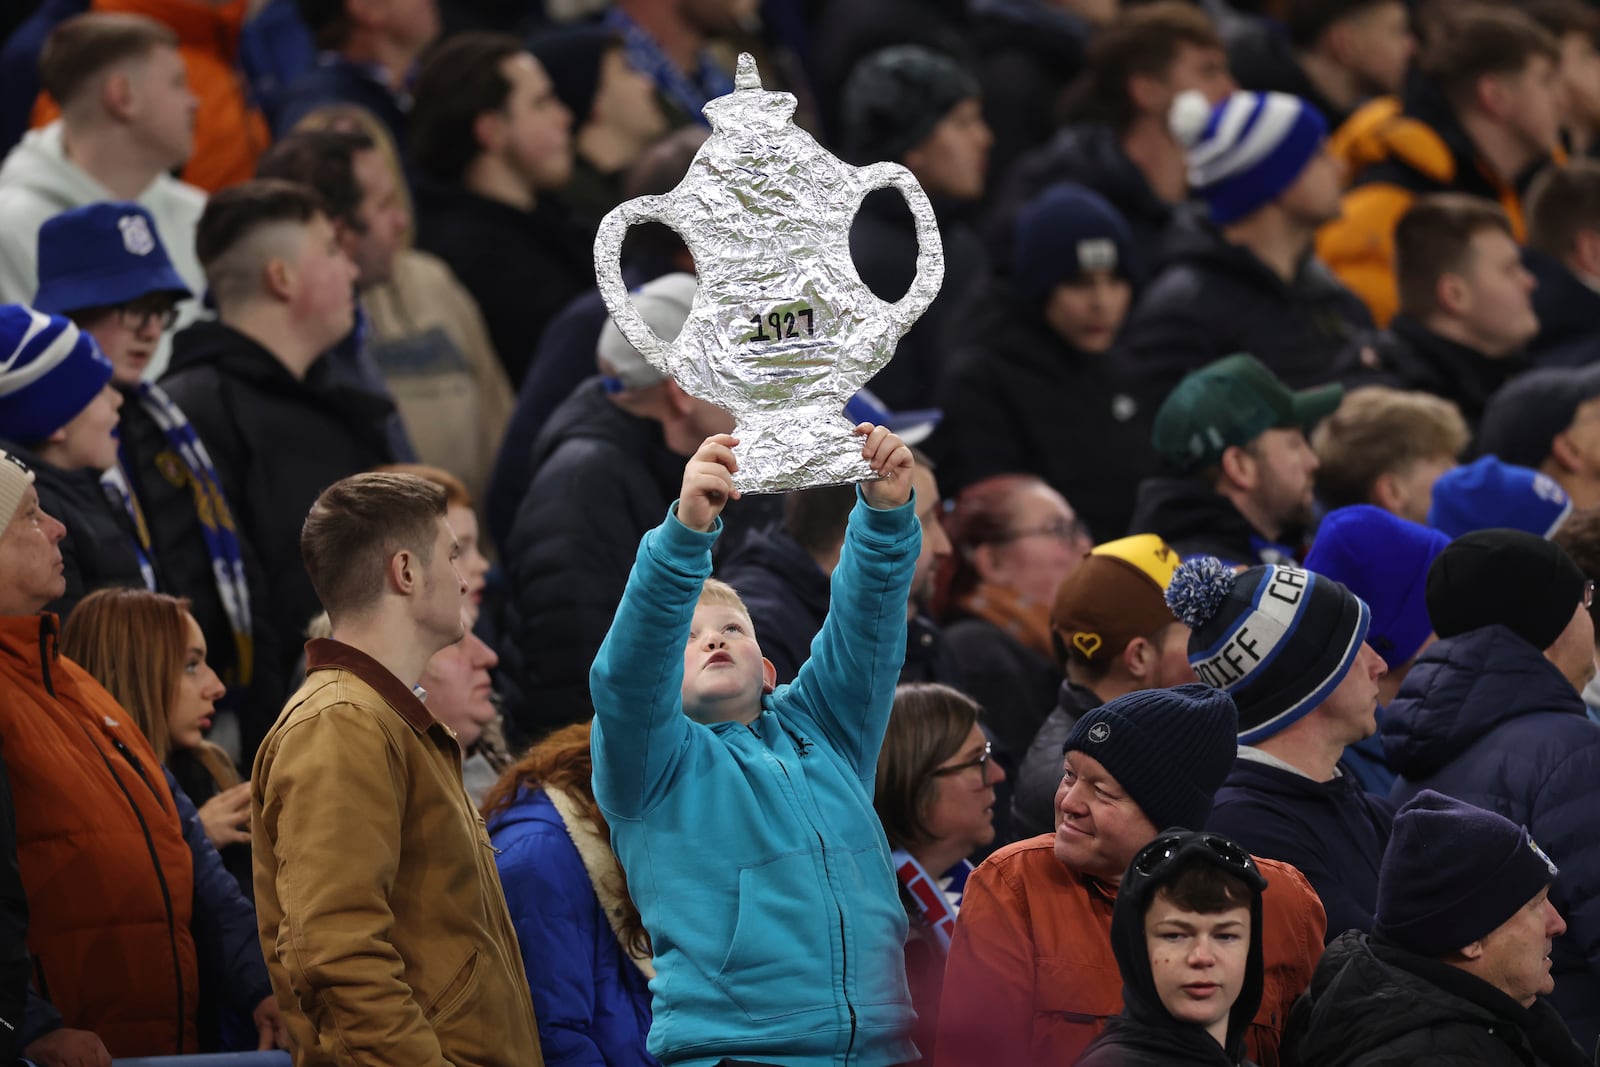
x: 1186, y: 931
x: 103, y: 267
x: 935, y: 796
x: 1014, y: 540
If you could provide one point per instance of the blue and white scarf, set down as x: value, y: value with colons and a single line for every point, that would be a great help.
x: 690, y: 92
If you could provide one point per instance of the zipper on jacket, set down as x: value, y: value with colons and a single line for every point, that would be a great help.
x: 155, y: 861
x: 45, y: 652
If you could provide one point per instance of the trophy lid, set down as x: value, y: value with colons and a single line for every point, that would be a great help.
x: 749, y: 104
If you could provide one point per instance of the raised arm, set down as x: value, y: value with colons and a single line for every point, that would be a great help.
x: 846, y: 689
x: 637, y: 679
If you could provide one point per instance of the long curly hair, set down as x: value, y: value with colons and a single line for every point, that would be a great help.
x: 562, y: 761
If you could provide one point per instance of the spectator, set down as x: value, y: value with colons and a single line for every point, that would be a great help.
x: 935, y: 797
x: 1013, y: 539
x: 362, y: 195
x: 369, y: 857
x: 1048, y: 384
x: 1113, y: 634
x: 58, y: 414
x: 1335, y: 55
x: 1487, y: 494
x: 272, y: 416
x: 667, y: 761
x: 608, y: 454
x: 1031, y: 972
x: 1186, y: 930
x: 1576, y: 27
x: 1563, y: 254
x: 1546, y: 419
x: 1236, y: 437
x: 1291, y: 648
x: 426, y: 335
x: 926, y: 660
x: 1119, y: 143
x: 1491, y: 714
x: 493, y: 144
x: 1579, y: 538
x: 584, y: 948
x: 123, y: 976
x: 1482, y: 119
x: 149, y: 653
x: 1387, y: 448
x: 913, y: 106
x: 103, y: 267
x: 127, y: 119
x: 1465, y: 309
x: 366, y: 57
x: 1458, y: 968
x: 783, y: 574
x: 668, y: 42
x: 615, y: 112
x: 1384, y: 560
x: 1248, y: 281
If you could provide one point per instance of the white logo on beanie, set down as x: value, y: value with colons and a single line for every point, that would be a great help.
x: 1099, y: 732
x: 136, y: 235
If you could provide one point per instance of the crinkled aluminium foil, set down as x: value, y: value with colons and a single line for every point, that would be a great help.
x: 782, y: 330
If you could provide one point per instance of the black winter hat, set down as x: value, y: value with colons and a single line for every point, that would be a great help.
x: 572, y: 56
x: 1063, y: 232
x: 1453, y: 873
x: 1507, y: 578
x: 894, y: 98
x: 1278, y: 639
x: 1169, y: 748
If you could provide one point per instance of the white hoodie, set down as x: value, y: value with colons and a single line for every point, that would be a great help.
x: 38, y: 182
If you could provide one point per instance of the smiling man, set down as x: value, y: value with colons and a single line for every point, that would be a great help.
x: 1459, y: 963
x: 1291, y: 648
x: 1032, y: 977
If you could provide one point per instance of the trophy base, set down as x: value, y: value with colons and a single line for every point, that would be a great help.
x: 797, y: 449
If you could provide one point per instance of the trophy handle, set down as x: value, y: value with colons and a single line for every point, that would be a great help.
x: 930, y: 249
x: 614, y: 291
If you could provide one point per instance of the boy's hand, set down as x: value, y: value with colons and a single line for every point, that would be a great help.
x: 890, y: 457
x: 708, y: 482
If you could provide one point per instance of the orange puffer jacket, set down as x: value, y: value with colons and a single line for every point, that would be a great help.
x: 1031, y: 977
x: 109, y: 880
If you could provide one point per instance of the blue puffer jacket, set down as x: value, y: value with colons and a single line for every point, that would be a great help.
x: 1485, y: 718
x: 753, y: 852
x: 591, y: 1000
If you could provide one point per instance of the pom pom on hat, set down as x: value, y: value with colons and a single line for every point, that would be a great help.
x: 1187, y: 120
x: 1198, y: 588
x: 49, y: 371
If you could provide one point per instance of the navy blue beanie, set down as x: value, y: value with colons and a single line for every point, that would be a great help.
x: 1169, y: 749
x: 1062, y: 233
x: 1279, y: 639
x: 1452, y: 874
x: 49, y: 372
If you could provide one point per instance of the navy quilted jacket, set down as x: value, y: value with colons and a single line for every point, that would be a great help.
x: 1485, y: 718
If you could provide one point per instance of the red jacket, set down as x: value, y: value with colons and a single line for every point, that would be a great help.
x: 109, y: 879
x: 1031, y: 976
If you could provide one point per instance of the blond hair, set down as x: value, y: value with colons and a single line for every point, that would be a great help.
x: 1378, y: 431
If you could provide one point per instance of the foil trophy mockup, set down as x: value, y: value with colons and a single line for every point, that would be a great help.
x: 782, y: 330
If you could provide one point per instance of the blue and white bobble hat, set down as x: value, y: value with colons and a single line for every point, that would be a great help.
x: 1247, y: 150
x: 1278, y: 639
x: 49, y: 371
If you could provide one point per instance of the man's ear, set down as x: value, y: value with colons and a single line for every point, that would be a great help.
x: 1148, y: 93
x: 1452, y: 294
x: 1137, y: 658
x: 278, y: 278
x: 1387, y: 494
x: 769, y: 675
x: 1238, y: 467
x: 1586, y: 251
x: 489, y: 129
x: 1565, y: 455
x: 1473, y: 951
x: 117, y: 93
x: 404, y: 572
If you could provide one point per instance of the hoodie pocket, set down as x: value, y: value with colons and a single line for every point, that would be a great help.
x: 781, y: 946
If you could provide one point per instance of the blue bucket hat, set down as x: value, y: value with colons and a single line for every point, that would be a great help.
x: 100, y: 256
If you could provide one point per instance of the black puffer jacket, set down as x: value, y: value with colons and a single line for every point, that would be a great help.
x: 1215, y: 298
x: 1373, y: 1005
x: 1410, y: 356
x: 277, y: 443
x: 98, y: 551
x: 1024, y: 401
x: 601, y: 478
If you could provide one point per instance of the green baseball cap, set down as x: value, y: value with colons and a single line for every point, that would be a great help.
x: 1232, y: 402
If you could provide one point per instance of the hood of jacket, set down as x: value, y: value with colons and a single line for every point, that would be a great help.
x: 1142, y: 1007
x: 1461, y: 688
x: 40, y: 165
x: 1425, y: 360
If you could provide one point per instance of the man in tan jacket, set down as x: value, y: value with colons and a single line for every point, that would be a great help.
x: 381, y: 914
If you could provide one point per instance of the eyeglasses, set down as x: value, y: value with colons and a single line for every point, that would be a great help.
x: 1064, y: 530
x: 1588, y: 594
x: 136, y: 319
x: 982, y: 763
x: 1160, y: 852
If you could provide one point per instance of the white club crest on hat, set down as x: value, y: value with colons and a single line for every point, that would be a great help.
x: 1097, y: 253
x: 1099, y: 732
x: 136, y: 235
